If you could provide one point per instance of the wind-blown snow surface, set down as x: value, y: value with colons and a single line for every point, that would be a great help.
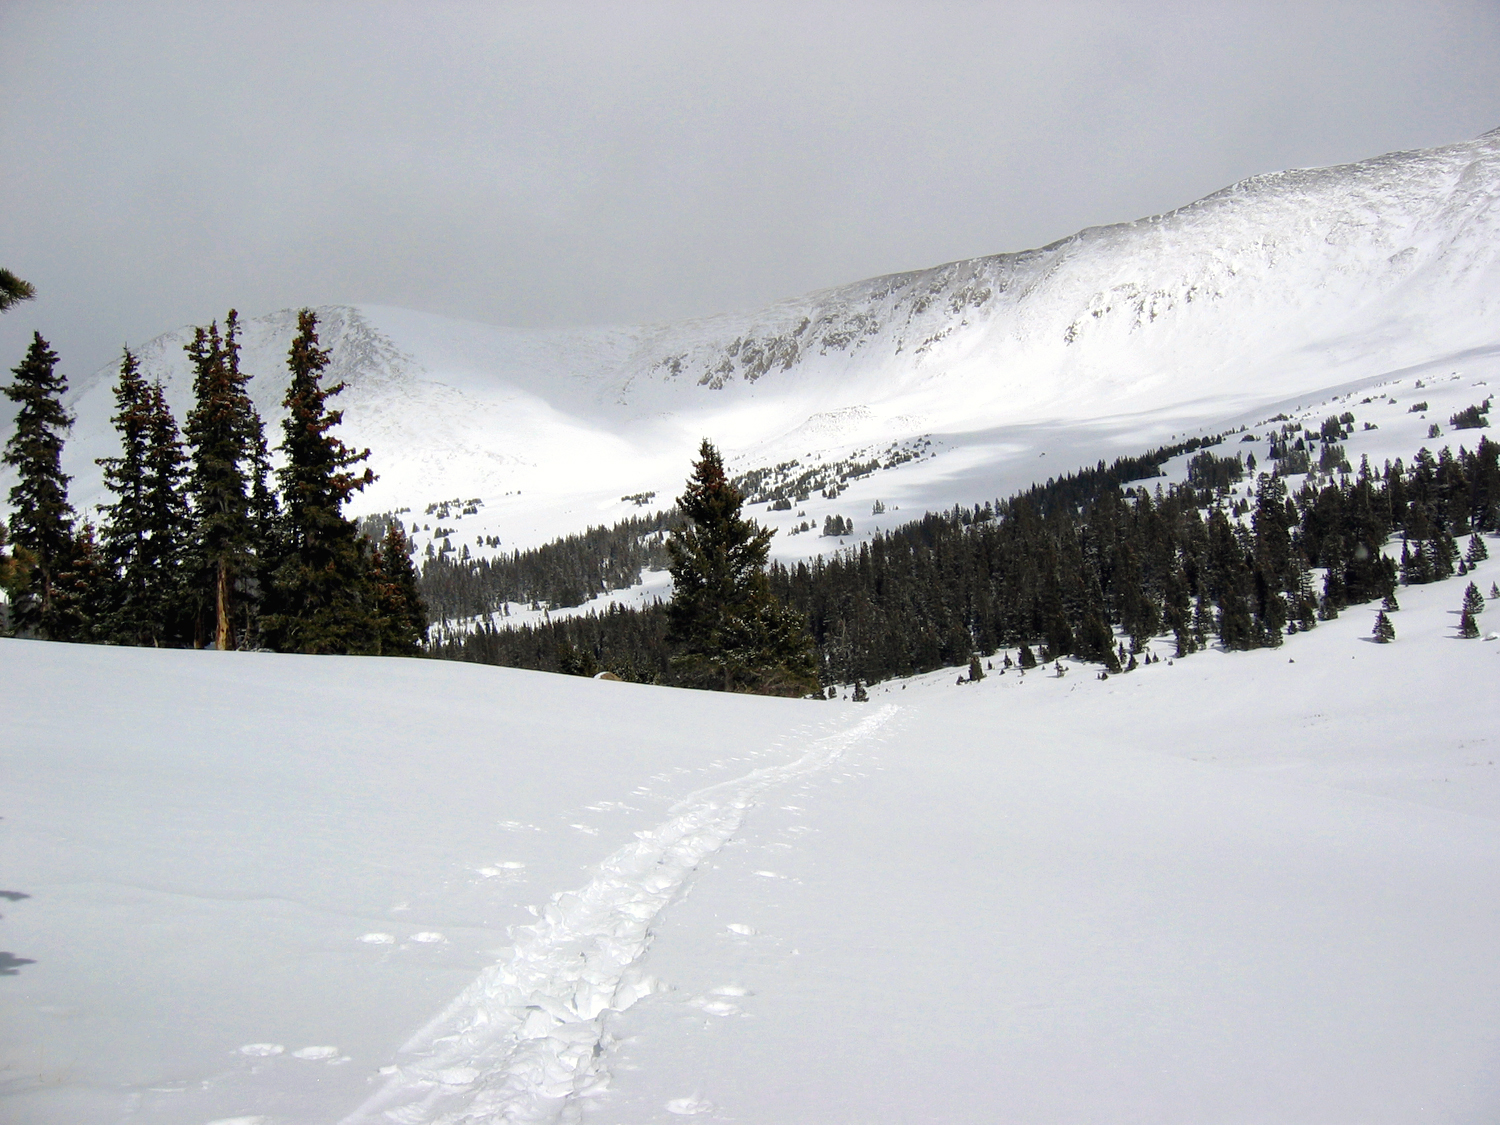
x: 1288, y: 284
x: 276, y: 889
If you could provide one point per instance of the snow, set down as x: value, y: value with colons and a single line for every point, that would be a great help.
x: 1291, y: 286
x: 1252, y: 886
x: 250, y: 889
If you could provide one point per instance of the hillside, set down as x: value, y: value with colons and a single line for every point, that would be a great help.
x: 1282, y: 288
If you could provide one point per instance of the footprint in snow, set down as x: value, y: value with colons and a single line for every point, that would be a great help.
x: 316, y: 1054
x: 719, y: 1007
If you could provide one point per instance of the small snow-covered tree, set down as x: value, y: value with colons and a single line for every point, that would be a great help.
x: 1473, y: 600
x: 1385, y: 632
x: 1467, y: 626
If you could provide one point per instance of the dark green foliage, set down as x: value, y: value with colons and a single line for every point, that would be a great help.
x: 41, y: 520
x: 1063, y: 563
x: 566, y: 572
x: 1385, y: 632
x: 1477, y: 551
x: 976, y: 670
x: 860, y: 694
x: 168, y: 526
x: 226, y: 435
x: 13, y: 290
x: 1468, y: 628
x: 401, y: 616
x: 82, y: 597
x: 322, y: 598
x: 1471, y: 417
x: 126, y: 547
x: 731, y: 631
x: 1473, y: 600
x: 1211, y: 472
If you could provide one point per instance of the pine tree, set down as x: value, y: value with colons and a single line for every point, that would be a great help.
x: 13, y: 290
x: 83, y: 592
x: 1473, y: 601
x: 1389, y: 603
x: 168, y: 525
x: 1385, y: 632
x: 126, y: 532
x: 1467, y: 626
x: 322, y: 597
x: 400, y: 611
x: 41, y: 521
x: 732, y: 632
x: 222, y: 431
x: 860, y: 694
x: 1477, y: 551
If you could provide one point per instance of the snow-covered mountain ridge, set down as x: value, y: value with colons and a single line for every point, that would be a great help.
x: 1281, y: 286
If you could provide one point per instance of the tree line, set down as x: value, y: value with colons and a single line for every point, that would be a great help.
x: 203, y: 544
x: 1057, y: 569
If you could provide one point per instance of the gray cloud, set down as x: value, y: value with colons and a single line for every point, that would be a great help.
x: 583, y: 163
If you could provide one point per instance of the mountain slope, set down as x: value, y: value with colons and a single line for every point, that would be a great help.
x: 1278, y: 287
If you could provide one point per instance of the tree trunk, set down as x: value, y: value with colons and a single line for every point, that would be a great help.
x: 221, y: 623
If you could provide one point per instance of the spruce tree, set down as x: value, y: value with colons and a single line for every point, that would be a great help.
x: 400, y: 611
x: 41, y: 520
x: 322, y: 597
x: 1473, y: 601
x: 1477, y: 551
x: 732, y: 632
x: 222, y: 431
x: 1468, y: 628
x: 1385, y: 632
x: 126, y: 531
x: 168, y: 526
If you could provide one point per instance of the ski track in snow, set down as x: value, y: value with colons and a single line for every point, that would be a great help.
x: 528, y: 1038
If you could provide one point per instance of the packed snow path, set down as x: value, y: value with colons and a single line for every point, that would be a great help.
x: 529, y: 1037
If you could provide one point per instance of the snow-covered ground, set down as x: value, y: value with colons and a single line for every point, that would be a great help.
x: 1236, y: 887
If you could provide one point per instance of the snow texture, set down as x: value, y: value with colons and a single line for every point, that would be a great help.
x: 527, y: 1039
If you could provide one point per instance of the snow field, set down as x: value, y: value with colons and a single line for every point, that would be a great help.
x: 528, y: 1038
x: 1235, y: 887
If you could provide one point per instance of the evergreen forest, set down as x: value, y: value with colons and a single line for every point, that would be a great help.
x: 203, y: 545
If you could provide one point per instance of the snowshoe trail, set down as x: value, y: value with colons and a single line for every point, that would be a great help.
x: 528, y: 1039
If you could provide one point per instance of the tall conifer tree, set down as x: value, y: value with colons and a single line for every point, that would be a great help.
x: 126, y: 532
x: 168, y: 524
x: 41, y: 521
x: 733, y: 632
x: 223, y: 430
x: 322, y: 598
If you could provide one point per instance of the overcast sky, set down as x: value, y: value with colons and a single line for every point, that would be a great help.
x: 557, y: 164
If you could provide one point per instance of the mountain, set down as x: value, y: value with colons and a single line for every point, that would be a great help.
x: 1272, y: 290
